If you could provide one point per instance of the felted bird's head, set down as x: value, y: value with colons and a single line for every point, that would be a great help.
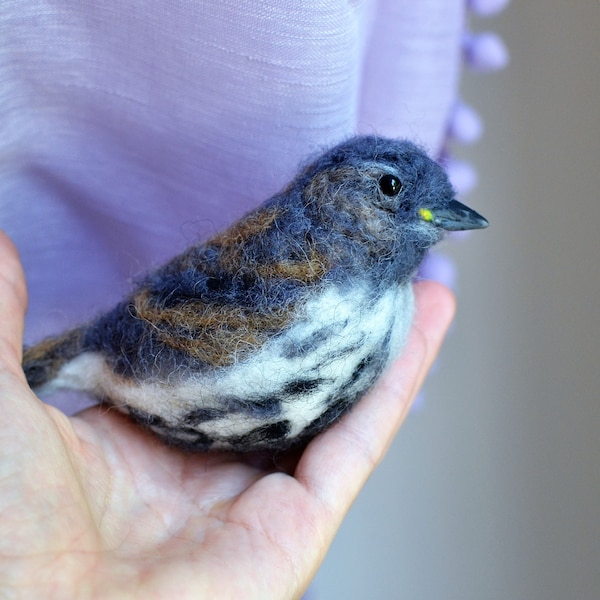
x: 385, y: 196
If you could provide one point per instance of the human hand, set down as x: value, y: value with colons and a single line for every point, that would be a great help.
x: 95, y: 506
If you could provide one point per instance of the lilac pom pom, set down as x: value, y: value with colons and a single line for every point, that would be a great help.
x: 462, y: 176
x: 439, y: 267
x: 465, y: 125
x: 485, y: 52
x: 418, y: 402
x: 487, y: 8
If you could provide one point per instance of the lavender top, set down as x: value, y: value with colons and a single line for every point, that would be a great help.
x: 129, y: 130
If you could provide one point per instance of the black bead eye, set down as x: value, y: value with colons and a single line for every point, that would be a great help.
x: 390, y: 185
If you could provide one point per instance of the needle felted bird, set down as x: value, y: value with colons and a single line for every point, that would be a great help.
x: 267, y: 333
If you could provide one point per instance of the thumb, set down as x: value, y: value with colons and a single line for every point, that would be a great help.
x: 13, y: 304
x: 21, y: 410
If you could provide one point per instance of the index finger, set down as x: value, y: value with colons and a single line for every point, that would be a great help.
x: 335, y: 465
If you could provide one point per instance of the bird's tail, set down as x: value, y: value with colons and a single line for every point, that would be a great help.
x: 43, y: 361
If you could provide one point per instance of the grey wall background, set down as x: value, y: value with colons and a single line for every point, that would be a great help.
x: 492, y: 489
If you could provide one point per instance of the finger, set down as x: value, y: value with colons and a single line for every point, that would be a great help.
x: 13, y: 304
x: 19, y: 410
x: 336, y: 465
x: 22, y: 420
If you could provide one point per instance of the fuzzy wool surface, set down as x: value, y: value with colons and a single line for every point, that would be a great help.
x: 298, y: 383
x: 267, y: 333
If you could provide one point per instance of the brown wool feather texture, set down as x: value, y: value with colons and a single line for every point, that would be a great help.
x: 266, y: 334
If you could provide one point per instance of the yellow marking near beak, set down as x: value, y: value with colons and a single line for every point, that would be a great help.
x: 426, y: 215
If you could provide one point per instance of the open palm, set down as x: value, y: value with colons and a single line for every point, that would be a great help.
x: 94, y: 506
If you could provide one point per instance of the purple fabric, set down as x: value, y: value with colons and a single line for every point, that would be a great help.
x: 129, y: 130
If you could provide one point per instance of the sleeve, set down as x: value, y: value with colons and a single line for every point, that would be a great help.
x: 131, y: 129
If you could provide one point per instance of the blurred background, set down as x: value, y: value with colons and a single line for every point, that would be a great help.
x: 492, y: 487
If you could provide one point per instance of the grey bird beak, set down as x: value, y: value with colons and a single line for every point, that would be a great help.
x: 454, y: 217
